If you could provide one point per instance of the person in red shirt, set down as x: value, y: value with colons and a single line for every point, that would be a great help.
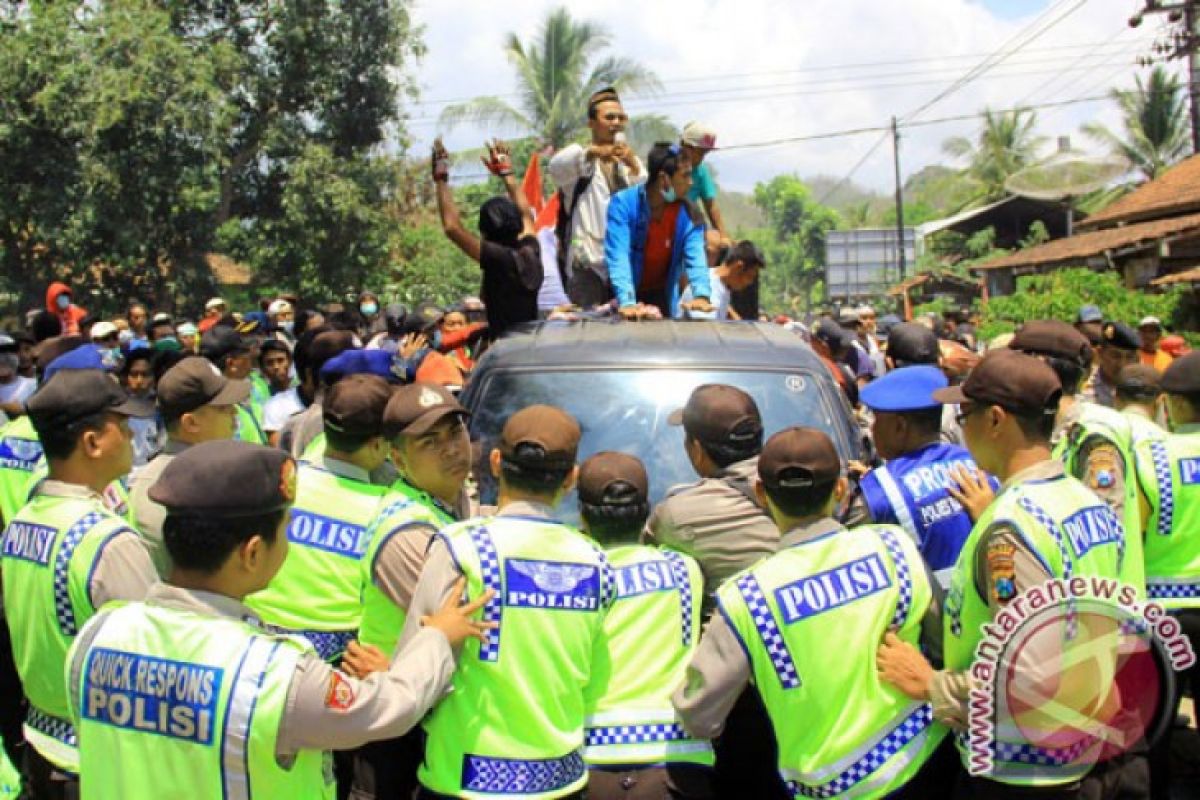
x: 58, y: 303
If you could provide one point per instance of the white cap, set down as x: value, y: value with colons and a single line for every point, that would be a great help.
x: 1150, y: 322
x: 186, y: 329
x: 161, y: 316
x: 213, y: 303
x: 866, y: 309
x: 278, y: 307
x: 102, y: 329
x: 697, y: 134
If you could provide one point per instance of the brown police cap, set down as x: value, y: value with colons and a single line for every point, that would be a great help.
x: 1051, y: 337
x: 1013, y: 380
x: 355, y: 405
x: 227, y: 479
x: 717, y: 413
x: 1139, y: 380
x: 196, y: 382
x: 1183, y: 376
x: 540, y: 437
x: 75, y: 394
x: 417, y: 407
x: 613, y: 479
x: 799, y: 458
x: 54, y: 347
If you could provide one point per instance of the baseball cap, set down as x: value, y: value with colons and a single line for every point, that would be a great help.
x: 160, y: 318
x: 355, y: 405
x: 1175, y: 345
x: 74, y: 394
x: 1120, y: 335
x: 221, y: 341
x: 212, y: 303
x: 1139, y: 380
x: 85, y: 356
x: 417, y: 407
x: 1183, y: 376
x: 613, y: 479
x: 540, y: 437
x: 1010, y: 379
x: 885, y: 325
x: 187, y: 329
x: 240, y: 480
x: 195, y: 382
x: 717, y: 413
x: 848, y: 316
x: 904, y: 389
x: 1150, y: 322
x: 380, y: 363
x: 103, y: 329
x: 697, y: 134
x: 831, y: 333
x: 799, y: 458
x: 279, y: 307
x: 910, y: 343
x: 1052, y: 337
x: 1089, y: 313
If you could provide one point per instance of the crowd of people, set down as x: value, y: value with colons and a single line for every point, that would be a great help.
x: 244, y: 554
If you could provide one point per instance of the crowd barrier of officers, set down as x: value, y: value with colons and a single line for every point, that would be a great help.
x: 234, y: 622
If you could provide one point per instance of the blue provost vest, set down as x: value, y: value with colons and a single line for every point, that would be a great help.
x: 910, y: 491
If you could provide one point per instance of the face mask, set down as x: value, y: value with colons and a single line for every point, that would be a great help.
x: 63, y: 302
x: 668, y: 194
x: 368, y: 308
x: 287, y: 325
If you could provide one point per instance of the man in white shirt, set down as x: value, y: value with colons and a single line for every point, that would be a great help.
x: 739, y: 271
x: 586, y: 178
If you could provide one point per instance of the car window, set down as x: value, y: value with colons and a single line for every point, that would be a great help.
x: 627, y: 410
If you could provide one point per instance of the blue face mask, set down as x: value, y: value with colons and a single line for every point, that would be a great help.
x: 63, y: 302
x: 288, y: 325
x: 368, y: 308
x: 668, y: 194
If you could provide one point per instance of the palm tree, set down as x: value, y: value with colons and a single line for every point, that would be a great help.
x: 556, y: 75
x: 1155, y: 119
x: 1005, y: 144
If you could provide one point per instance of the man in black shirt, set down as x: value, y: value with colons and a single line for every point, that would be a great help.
x: 508, y: 252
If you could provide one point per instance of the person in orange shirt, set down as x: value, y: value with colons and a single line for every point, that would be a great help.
x: 1150, y: 329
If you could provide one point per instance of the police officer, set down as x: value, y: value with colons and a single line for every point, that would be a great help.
x: 513, y: 723
x: 805, y: 633
x: 1138, y: 393
x: 318, y: 592
x: 1094, y: 442
x: 187, y: 694
x: 1008, y: 406
x: 198, y: 404
x: 910, y: 489
x: 430, y: 447
x: 1118, y: 348
x: 233, y: 356
x: 65, y: 554
x: 635, y: 744
x: 1168, y: 469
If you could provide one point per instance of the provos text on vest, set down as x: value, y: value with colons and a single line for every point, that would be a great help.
x: 170, y: 698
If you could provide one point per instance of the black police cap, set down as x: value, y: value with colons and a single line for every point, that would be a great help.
x: 227, y: 479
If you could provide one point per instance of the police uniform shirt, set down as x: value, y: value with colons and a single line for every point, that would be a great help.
x: 720, y: 669
x: 326, y: 709
x: 1098, y: 463
x: 1004, y: 567
x: 123, y: 569
x: 400, y: 561
x: 1099, y: 391
x: 148, y: 516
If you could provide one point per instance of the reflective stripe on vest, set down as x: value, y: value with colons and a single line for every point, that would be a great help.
x: 517, y: 776
x: 489, y: 567
x: 768, y: 630
x: 683, y: 584
x: 896, y: 500
x: 235, y: 764
x: 54, y: 737
x: 865, y: 761
x: 903, y: 576
x: 1166, y: 490
x: 62, y: 597
x: 328, y: 644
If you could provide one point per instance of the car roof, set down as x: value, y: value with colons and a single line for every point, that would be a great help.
x: 674, y: 343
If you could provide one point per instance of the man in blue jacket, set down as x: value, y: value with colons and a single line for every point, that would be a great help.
x: 655, y: 236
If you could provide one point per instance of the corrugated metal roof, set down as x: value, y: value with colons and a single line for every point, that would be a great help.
x: 1176, y: 191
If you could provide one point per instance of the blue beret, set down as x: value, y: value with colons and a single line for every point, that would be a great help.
x: 363, y: 362
x: 905, y: 389
x: 85, y: 357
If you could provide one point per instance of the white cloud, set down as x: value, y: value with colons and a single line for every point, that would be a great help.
x: 699, y: 47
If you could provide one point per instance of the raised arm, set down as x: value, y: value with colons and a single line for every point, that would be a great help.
x: 451, y: 222
x: 499, y: 163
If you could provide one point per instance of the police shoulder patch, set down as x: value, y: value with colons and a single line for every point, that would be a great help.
x: 1103, y: 464
x: 340, y: 696
x: 1001, y: 564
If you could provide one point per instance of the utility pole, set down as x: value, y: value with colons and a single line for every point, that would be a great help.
x: 899, y: 197
x: 1186, y: 43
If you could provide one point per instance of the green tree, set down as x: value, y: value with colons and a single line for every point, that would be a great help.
x: 1005, y: 144
x: 1154, y: 118
x: 795, y: 246
x: 556, y: 73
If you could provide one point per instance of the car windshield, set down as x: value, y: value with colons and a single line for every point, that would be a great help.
x: 627, y: 410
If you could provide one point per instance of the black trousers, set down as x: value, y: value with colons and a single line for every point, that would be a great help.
x: 747, y: 754
x: 427, y: 794
x: 41, y: 780
x: 12, y: 699
x: 387, y: 770
x: 672, y: 782
x: 1188, y: 680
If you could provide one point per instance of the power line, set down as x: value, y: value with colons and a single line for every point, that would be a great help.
x: 853, y: 170
x: 1000, y: 55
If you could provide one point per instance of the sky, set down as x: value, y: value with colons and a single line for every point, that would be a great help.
x: 764, y: 70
